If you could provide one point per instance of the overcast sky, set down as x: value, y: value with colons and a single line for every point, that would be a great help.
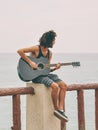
x: 22, y: 22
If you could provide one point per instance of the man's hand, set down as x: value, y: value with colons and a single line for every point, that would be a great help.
x: 33, y: 65
x: 58, y: 66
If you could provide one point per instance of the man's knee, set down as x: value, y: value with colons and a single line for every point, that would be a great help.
x: 63, y: 86
x: 55, y: 87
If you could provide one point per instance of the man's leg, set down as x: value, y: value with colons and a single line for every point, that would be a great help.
x: 62, y: 94
x: 60, y: 112
x: 62, y: 87
x: 54, y: 94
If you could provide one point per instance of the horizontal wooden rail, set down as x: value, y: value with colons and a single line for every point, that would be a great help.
x: 30, y: 90
x: 82, y: 86
x: 14, y: 91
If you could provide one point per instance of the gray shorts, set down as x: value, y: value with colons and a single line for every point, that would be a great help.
x: 47, y: 80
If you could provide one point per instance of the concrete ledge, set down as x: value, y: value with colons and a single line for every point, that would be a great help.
x: 39, y: 109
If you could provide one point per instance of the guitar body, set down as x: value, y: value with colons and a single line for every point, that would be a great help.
x: 26, y: 73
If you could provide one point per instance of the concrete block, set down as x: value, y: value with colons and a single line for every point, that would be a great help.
x: 39, y: 109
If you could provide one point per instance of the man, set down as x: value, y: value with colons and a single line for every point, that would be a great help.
x: 51, y: 80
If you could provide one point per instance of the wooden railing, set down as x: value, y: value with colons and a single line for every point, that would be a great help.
x: 80, y: 101
x: 16, y: 92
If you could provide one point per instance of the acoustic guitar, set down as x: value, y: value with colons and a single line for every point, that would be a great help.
x: 26, y: 73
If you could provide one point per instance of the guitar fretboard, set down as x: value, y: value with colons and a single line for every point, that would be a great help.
x: 62, y: 64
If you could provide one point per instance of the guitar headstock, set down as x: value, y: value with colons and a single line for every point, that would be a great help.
x: 75, y: 64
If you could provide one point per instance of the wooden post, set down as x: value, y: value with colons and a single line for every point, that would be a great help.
x: 96, y: 109
x: 81, y: 117
x: 63, y: 125
x: 16, y: 113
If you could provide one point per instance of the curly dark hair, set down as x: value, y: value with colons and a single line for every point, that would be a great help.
x: 47, y: 38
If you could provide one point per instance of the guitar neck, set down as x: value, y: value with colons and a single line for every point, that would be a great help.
x: 62, y: 64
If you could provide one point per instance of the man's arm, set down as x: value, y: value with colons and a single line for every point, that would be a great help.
x: 22, y: 52
x: 54, y: 67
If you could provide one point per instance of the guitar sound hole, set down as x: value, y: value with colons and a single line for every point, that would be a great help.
x: 40, y: 66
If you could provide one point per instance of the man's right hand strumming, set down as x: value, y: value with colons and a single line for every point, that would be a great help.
x: 33, y: 65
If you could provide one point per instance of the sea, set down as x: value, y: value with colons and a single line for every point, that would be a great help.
x: 86, y: 73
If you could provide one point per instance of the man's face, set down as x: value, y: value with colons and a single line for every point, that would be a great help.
x: 53, y: 42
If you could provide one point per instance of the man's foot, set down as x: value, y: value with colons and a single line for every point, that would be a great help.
x: 61, y: 115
